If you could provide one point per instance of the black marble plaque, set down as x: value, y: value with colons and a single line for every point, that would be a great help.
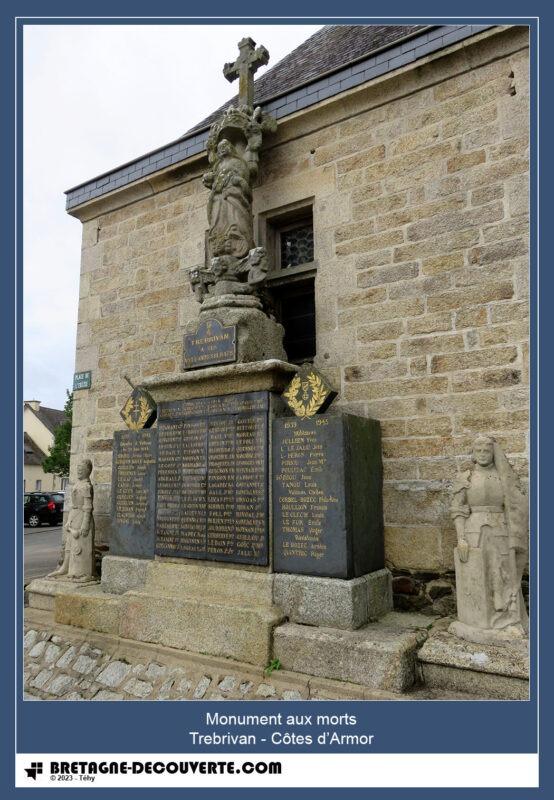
x: 212, y: 490
x: 327, y: 496
x: 134, y: 493
x: 211, y: 343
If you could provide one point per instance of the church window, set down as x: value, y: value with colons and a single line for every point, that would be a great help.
x: 296, y: 245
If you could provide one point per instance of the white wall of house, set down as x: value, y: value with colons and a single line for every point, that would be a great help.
x: 35, y: 479
x: 48, y: 482
x: 32, y: 425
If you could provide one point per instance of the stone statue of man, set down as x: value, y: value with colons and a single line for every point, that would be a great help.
x: 490, y: 513
x: 78, y: 559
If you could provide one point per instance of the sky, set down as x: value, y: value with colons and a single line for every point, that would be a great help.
x: 94, y: 97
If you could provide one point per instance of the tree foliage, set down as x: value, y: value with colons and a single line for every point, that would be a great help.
x: 57, y: 460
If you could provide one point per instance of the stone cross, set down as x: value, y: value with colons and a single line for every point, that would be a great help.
x: 247, y: 63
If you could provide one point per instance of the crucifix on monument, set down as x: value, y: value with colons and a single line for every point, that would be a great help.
x: 230, y: 287
x: 249, y: 60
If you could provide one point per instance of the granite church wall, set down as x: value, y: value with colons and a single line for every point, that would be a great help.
x: 419, y: 184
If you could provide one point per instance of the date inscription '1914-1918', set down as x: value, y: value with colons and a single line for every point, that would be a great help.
x: 212, y: 494
x: 134, y: 493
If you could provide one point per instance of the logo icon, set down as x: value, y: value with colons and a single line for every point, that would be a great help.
x: 34, y: 770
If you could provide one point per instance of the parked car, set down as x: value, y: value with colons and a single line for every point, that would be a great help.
x: 42, y: 507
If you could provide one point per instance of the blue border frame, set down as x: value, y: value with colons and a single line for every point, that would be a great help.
x: 399, y: 726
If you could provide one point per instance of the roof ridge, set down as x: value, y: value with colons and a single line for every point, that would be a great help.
x: 304, y: 75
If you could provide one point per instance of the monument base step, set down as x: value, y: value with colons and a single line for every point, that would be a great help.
x: 381, y: 655
x: 92, y: 609
x: 42, y: 592
x: 142, y: 671
x: 240, y: 632
x: 486, y: 671
x: 227, y: 613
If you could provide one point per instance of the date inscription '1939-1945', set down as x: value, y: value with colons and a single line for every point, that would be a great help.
x: 327, y: 516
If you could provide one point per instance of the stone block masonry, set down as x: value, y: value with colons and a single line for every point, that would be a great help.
x: 436, y: 313
x: 419, y: 181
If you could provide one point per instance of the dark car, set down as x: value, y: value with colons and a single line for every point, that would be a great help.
x: 42, y: 507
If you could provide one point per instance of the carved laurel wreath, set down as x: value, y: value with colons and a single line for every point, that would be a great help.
x: 318, y: 395
x: 132, y: 421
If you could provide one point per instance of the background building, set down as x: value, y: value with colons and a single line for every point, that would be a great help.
x: 39, y: 424
x: 393, y: 200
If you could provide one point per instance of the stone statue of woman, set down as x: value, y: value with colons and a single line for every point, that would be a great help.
x: 78, y: 560
x: 230, y: 201
x: 490, y: 513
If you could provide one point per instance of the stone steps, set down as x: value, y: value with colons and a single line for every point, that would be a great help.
x: 170, y: 674
x: 72, y: 664
x: 403, y: 656
x: 377, y: 656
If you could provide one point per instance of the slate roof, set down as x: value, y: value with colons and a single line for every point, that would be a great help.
x: 52, y: 418
x: 333, y: 60
x: 32, y: 454
x: 329, y: 49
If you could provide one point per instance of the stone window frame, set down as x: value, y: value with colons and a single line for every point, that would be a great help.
x: 276, y: 221
x: 270, y: 225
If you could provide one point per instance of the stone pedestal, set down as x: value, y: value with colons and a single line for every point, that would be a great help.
x: 489, y: 671
x: 332, y: 602
x: 119, y: 574
x: 91, y: 609
x: 499, y: 636
x: 258, y: 338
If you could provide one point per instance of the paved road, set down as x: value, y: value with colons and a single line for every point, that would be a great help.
x: 41, y: 550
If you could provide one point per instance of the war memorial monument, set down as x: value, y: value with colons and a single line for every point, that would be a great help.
x: 297, y: 463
